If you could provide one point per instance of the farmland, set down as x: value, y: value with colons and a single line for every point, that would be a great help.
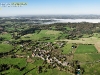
x: 67, y: 48
x: 53, y: 49
x: 5, y: 47
x: 86, y: 49
x: 87, y: 57
x: 43, y: 34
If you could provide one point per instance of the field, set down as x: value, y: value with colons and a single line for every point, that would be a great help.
x: 89, y: 40
x: 97, y: 46
x: 5, y: 47
x: 87, y: 57
x: 15, y: 61
x: 6, y: 36
x: 86, y: 49
x: 67, y: 48
x: 94, y: 70
x: 49, y: 72
x: 21, y: 62
x: 43, y: 34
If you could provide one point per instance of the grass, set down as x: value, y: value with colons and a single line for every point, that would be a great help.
x: 85, y: 36
x: 21, y: 62
x: 14, y: 61
x: 82, y: 57
x: 12, y: 71
x: 38, y: 62
x: 5, y: 47
x: 87, y: 57
x: 51, y: 32
x: 53, y: 27
x: 86, y: 49
x: 43, y: 33
x: 67, y: 48
x: 63, y: 36
x: 95, y: 57
x: 89, y: 40
x: 91, y: 69
x: 9, y: 28
x: 68, y: 28
x: 96, y: 35
x: 6, y: 36
x: 49, y: 72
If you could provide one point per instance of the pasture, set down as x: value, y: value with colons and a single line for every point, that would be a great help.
x: 89, y: 40
x: 87, y: 57
x: 6, y: 36
x: 67, y: 48
x: 92, y: 69
x: 5, y: 47
x: 86, y: 49
x: 15, y: 61
x: 43, y: 34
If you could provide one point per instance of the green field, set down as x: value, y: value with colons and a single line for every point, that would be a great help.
x: 96, y: 35
x: 6, y: 36
x: 86, y: 49
x: 87, y: 57
x: 15, y: 61
x: 67, y: 48
x: 49, y: 72
x: 42, y: 34
x: 93, y: 69
x: 5, y: 47
x: 21, y: 62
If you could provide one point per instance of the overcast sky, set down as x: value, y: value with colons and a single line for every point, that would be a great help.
x: 55, y: 7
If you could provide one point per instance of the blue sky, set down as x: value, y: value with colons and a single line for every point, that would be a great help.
x: 45, y: 7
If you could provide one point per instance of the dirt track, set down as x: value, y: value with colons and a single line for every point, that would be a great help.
x: 97, y: 45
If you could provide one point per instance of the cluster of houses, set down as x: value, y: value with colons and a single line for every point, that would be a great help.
x: 46, y: 55
x: 50, y: 56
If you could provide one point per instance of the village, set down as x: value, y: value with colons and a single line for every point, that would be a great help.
x: 51, y: 54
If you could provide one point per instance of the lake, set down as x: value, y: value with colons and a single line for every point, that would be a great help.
x: 73, y: 21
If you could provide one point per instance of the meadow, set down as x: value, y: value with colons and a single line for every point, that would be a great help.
x: 5, y: 47
x: 86, y: 49
x: 51, y: 35
x: 87, y: 57
x: 67, y: 48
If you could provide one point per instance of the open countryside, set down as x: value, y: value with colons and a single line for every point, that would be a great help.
x: 52, y: 49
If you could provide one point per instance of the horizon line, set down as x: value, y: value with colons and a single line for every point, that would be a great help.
x: 49, y: 14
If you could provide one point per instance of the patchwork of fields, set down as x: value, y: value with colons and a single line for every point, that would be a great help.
x: 49, y: 50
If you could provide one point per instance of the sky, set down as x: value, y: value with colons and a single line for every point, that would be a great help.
x: 52, y: 7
